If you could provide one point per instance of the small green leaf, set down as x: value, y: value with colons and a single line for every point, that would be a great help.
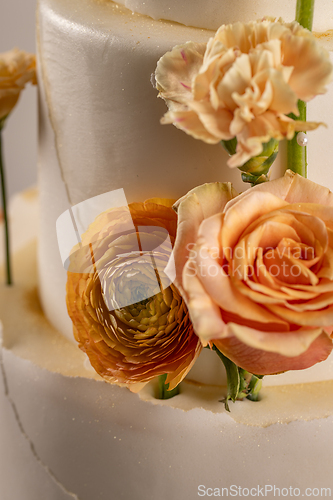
x: 240, y: 383
x: 230, y: 146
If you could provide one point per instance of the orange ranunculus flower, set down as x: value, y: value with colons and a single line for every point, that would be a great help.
x: 128, y: 317
x: 243, y: 83
x: 16, y: 69
x: 256, y: 271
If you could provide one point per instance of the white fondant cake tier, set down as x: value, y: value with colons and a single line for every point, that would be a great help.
x: 64, y: 434
x: 211, y: 14
x: 100, y: 123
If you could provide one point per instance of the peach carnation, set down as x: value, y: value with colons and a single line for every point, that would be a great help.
x: 256, y: 271
x: 128, y: 317
x: 16, y: 69
x: 243, y: 83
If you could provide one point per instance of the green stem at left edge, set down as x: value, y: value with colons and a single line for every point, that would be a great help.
x: 296, y: 154
x: 4, y: 209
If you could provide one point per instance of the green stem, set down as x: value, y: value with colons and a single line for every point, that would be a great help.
x: 233, y: 379
x: 240, y: 383
x: 163, y: 388
x: 4, y: 209
x: 296, y: 154
x: 304, y: 13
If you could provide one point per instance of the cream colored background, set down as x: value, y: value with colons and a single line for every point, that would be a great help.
x: 17, y: 28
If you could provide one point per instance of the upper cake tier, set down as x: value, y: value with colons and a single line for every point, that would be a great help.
x: 100, y: 125
x: 211, y: 14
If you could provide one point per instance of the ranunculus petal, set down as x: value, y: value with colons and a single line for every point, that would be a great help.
x: 133, y: 326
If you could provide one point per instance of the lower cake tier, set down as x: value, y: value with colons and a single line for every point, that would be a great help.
x: 65, y: 434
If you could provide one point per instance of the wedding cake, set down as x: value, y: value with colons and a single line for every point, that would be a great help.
x: 70, y: 434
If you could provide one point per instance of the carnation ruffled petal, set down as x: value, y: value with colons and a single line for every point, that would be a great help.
x: 244, y: 84
x: 176, y: 69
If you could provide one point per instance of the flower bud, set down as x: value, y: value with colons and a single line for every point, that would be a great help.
x: 256, y: 169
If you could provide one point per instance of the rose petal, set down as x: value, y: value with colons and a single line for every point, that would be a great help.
x: 266, y: 362
x: 204, y: 312
x: 246, y: 209
x: 292, y: 188
x: 220, y: 289
x: 200, y: 203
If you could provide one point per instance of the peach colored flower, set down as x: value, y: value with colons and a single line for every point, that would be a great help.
x: 16, y: 69
x: 243, y: 83
x: 130, y: 321
x: 256, y: 271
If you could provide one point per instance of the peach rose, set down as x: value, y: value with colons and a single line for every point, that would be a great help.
x: 16, y: 69
x: 243, y: 83
x: 256, y: 271
x: 128, y: 318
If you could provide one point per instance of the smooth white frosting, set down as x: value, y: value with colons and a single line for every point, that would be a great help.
x: 211, y: 14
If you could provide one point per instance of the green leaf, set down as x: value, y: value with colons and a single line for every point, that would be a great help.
x: 230, y: 146
x: 240, y: 383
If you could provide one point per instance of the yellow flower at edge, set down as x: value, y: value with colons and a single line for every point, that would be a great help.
x: 16, y: 69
